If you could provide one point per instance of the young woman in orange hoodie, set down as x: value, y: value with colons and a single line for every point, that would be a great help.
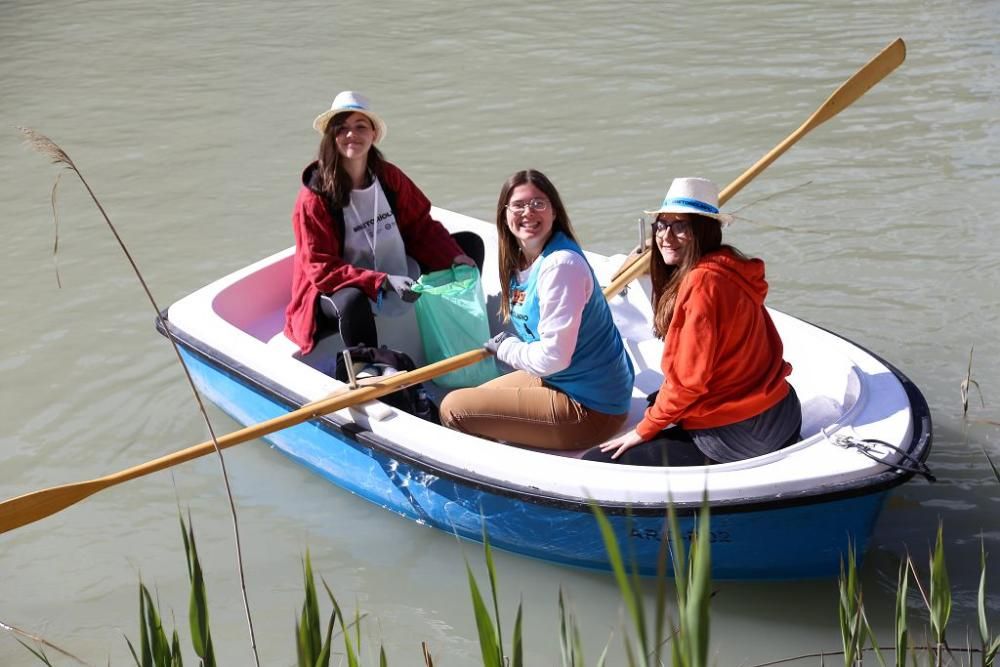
x: 724, y: 395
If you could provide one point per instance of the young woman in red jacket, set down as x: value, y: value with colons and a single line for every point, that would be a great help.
x: 724, y: 395
x: 363, y: 232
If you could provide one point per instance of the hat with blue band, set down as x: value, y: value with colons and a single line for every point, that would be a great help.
x: 348, y: 101
x: 698, y: 196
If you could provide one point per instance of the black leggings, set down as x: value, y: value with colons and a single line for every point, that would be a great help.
x: 349, y: 311
x: 775, y: 428
x: 672, y: 447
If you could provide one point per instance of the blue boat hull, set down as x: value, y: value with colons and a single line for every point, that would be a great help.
x: 786, y: 539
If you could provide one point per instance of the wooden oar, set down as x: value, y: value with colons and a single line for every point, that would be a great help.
x: 31, y: 507
x: 877, y: 69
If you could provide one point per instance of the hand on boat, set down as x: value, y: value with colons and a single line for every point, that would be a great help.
x: 463, y: 259
x: 622, y: 443
x: 493, y: 343
x: 403, y: 286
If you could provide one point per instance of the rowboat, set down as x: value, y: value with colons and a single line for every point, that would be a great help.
x: 788, y: 515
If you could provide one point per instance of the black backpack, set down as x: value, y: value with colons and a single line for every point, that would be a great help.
x: 382, y: 360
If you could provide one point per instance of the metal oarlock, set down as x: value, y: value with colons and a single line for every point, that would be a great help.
x: 642, y: 234
x: 352, y: 381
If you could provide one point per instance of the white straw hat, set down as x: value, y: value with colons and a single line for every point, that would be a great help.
x: 693, y: 195
x: 356, y: 102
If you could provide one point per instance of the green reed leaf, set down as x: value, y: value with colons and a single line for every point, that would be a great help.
x: 201, y: 636
x: 308, y: 641
x: 677, y: 656
x: 357, y: 630
x: 630, y: 594
x: 661, y: 594
x: 517, y: 646
x: 40, y: 653
x: 323, y: 659
x: 601, y: 659
x: 301, y: 645
x: 993, y: 466
x: 696, y: 610
x: 570, y: 643
x: 990, y: 653
x: 382, y: 660
x: 629, y: 655
x: 902, y: 631
x: 491, y: 571
x: 352, y: 657
x: 872, y: 639
x: 849, y: 608
x: 565, y: 643
x: 144, y: 658
x: 984, y: 629
x: 940, y: 590
x: 159, y: 646
x: 484, y: 625
x: 678, y: 554
x: 175, y: 651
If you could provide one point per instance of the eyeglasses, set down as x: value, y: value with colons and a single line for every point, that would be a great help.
x: 680, y: 228
x: 536, y: 204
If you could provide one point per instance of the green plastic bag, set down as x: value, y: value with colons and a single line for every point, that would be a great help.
x: 451, y: 314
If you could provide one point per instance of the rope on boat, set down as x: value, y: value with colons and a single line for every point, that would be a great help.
x: 868, y: 448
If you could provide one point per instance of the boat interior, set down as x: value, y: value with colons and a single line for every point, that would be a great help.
x: 829, y: 385
x: 843, y: 389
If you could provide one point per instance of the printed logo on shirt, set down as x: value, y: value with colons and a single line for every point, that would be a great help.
x: 370, y: 222
x: 517, y: 297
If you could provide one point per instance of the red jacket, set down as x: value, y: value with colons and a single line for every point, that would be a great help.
x: 722, y: 357
x: 318, y: 267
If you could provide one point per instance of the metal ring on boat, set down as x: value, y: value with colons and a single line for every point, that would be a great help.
x: 911, y: 464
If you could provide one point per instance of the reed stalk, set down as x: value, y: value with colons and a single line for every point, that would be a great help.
x: 488, y: 629
x: 940, y: 597
x: 42, y: 144
x: 989, y: 644
x: 900, y: 621
x: 41, y: 642
x: 312, y: 649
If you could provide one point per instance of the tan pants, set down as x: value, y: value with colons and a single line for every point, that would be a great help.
x: 518, y: 409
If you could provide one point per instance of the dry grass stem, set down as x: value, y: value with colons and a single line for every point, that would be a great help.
x: 966, y: 384
x: 41, y: 641
x: 45, y: 146
x: 41, y: 143
x: 55, y: 220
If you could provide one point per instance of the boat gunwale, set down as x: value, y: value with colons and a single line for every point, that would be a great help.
x: 919, y: 448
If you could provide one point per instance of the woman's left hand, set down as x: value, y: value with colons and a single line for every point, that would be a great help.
x: 463, y: 259
x: 622, y: 443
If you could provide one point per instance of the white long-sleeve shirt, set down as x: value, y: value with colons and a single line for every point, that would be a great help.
x: 564, y: 287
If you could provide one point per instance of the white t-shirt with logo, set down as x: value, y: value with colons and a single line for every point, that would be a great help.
x: 372, y: 241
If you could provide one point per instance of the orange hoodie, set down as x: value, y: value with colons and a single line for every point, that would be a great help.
x: 722, y: 357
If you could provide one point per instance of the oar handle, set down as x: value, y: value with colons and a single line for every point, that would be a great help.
x: 860, y: 83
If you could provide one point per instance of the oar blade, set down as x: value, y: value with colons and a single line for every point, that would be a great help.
x: 863, y: 80
x: 849, y: 92
x: 31, y: 507
x: 36, y: 505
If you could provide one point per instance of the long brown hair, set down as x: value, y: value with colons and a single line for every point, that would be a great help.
x: 510, y: 257
x: 335, y: 182
x: 706, y: 237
